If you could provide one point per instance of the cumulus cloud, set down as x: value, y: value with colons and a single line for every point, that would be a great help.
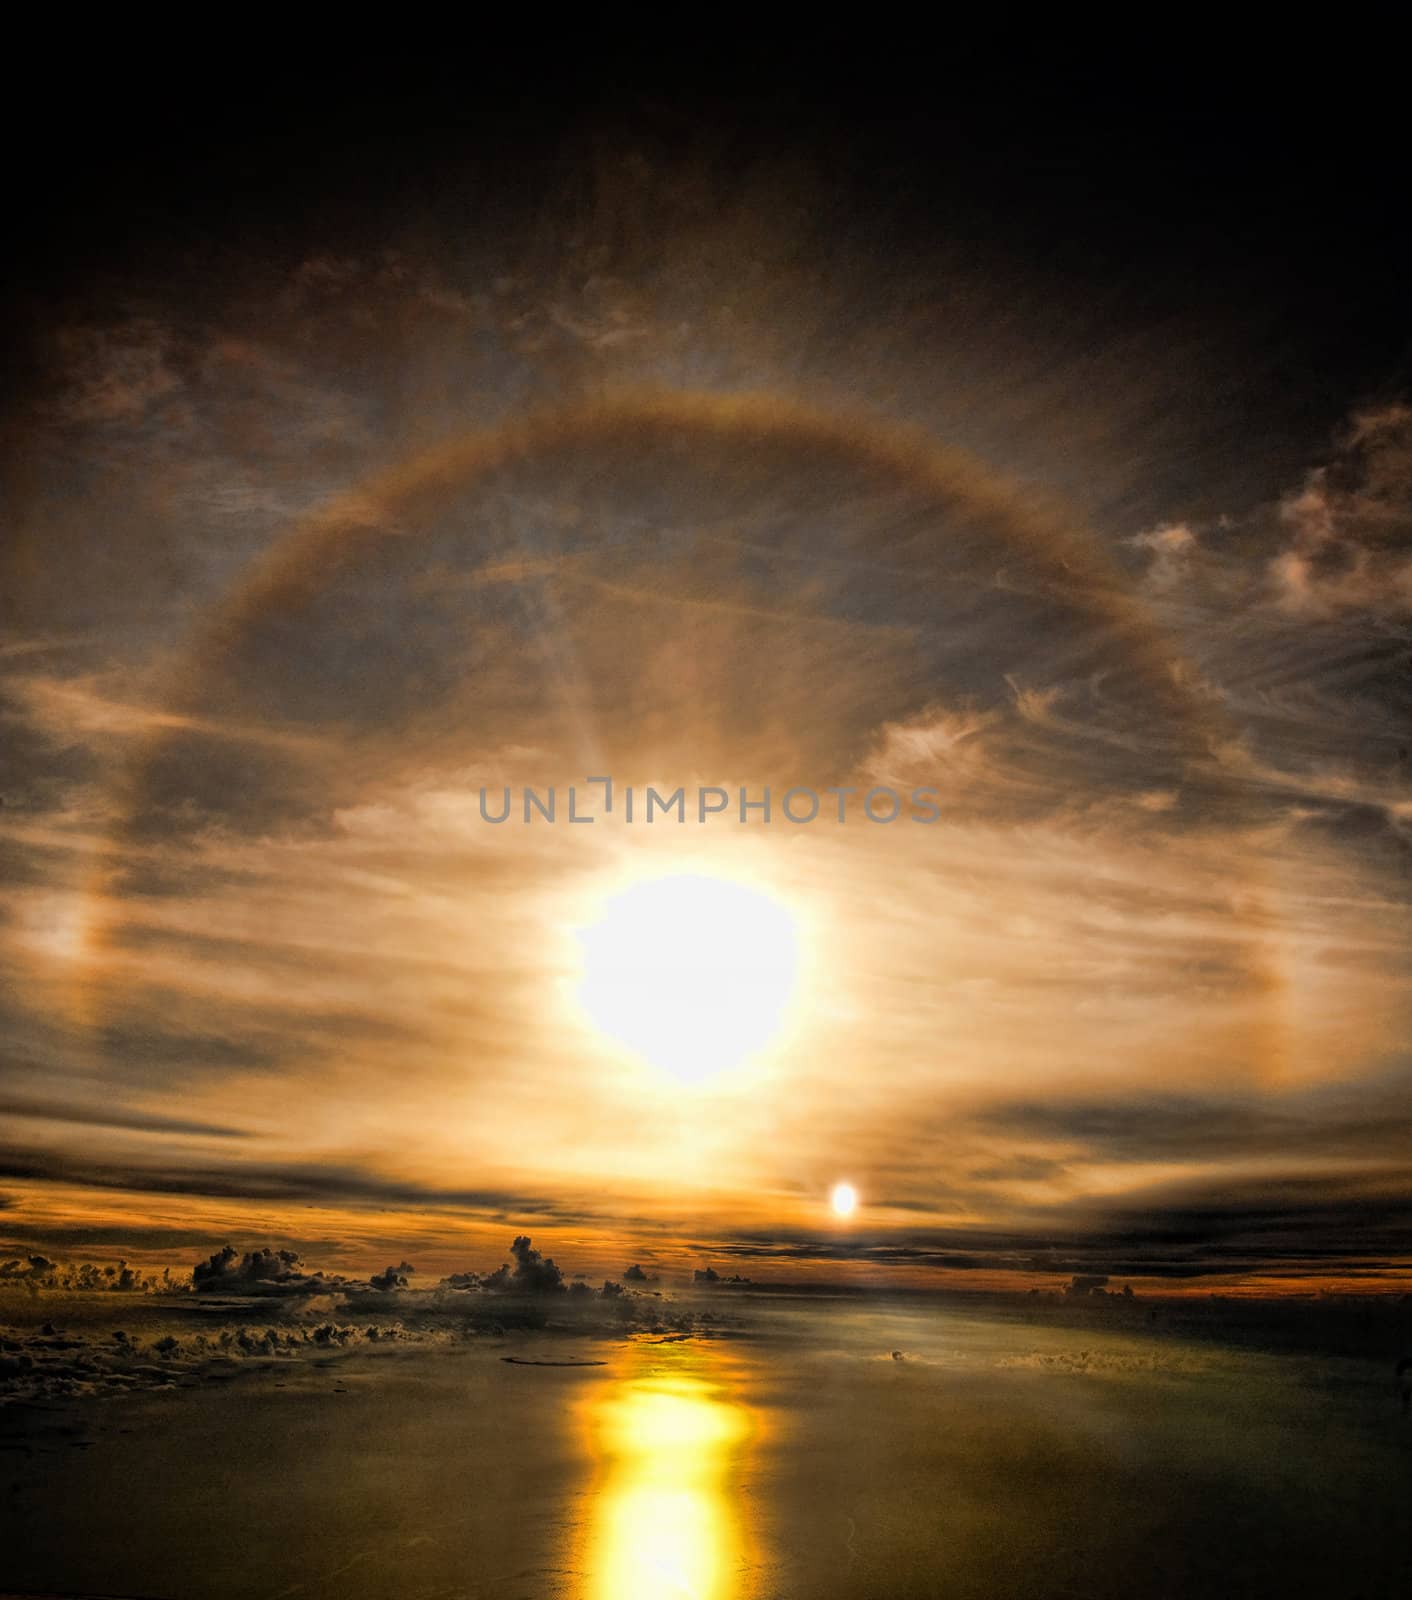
x: 462, y: 1280
x: 260, y: 1272
x: 708, y: 1276
x: 37, y: 1272
x: 392, y: 1278
x: 527, y: 1272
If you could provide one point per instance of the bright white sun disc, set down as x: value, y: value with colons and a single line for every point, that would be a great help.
x: 692, y: 973
x: 844, y: 1199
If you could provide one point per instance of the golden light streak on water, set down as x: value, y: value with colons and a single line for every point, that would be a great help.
x: 667, y: 1519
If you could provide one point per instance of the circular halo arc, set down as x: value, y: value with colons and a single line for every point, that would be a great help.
x: 1070, y: 557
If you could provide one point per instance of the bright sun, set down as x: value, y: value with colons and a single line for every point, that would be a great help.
x: 693, y: 973
x: 844, y: 1199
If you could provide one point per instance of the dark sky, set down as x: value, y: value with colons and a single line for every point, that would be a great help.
x: 1259, y: 186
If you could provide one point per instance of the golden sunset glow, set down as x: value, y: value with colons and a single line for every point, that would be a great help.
x: 665, y: 1520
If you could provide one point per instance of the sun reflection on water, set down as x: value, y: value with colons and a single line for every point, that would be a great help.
x: 665, y: 1521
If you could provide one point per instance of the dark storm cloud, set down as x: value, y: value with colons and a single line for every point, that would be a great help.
x: 1324, y: 1122
x: 255, y: 1181
x: 258, y: 1272
x: 126, y: 1234
x: 988, y: 1251
x: 153, y: 1036
x: 152, y: 1053
x: 529, y: 1271
x: 391, y: 1279
x: 113, y: 1117
x: 1285, y: 1224
x: 38, y: 1272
